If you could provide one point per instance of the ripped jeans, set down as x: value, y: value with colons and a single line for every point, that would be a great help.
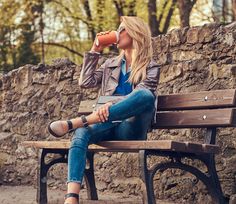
x: 135, y: 113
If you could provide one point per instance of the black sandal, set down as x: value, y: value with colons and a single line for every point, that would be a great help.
x: 70, y: 126
x: 70, y: 129
x: 84, y: 121
x: 69, y: 195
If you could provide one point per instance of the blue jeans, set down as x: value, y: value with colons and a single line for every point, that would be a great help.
x: 135, y: 113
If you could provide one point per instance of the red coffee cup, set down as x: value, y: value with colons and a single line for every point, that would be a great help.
x: 111, y: 37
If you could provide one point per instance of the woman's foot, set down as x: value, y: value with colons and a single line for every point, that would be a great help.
x: 60, y: 128
x: 71, y: 198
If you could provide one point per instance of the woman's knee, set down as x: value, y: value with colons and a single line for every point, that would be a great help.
x: 146, y: 95
x: 80, y: 138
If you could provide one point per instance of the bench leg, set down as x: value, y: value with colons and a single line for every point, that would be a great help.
x: 219, y: 196
x: 90, y: 178
x: 149, y: 196
x: 43, y: 170
x: 210, y: 138
x: 210, y: 179
x: 42, y: 180
x: 177, y: 164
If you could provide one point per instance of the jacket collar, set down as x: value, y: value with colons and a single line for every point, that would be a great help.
x: 116, y: 61
x: 115, y: 66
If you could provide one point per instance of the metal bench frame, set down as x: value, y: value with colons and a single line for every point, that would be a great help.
x: 210, y: 178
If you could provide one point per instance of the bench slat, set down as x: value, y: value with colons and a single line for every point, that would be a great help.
x: 130, y: 146
x: 193, y: 118
x: 86, y: 107
x: 198, y: 100
x: 184, y: 101
x: 196, y: 119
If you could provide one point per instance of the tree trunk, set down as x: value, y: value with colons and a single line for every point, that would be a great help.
x: 100, y: 14
x: 152, y: 18
x: 185, y: 8
x: 131, y: 8
x: 234, y: 9
x: 41, y: 27
x: 119, y: 8
x: 89, y: 17
x: 169, y: 15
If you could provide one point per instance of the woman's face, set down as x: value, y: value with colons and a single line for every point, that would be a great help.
x: 125, y: 41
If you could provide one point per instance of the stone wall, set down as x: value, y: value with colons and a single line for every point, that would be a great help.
x: 198, y: 59
x: 191, y: 59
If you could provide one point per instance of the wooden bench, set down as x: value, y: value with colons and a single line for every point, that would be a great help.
x: 207, y: 109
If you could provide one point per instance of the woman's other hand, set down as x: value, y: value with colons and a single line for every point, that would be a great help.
x: 103, y: 111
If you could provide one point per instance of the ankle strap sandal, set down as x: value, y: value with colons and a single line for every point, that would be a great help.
x: 70, y: 129
x: 70, y: 126
x: 84, y: 120
x: 72, y: 195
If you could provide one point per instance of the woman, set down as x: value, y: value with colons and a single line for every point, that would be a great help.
x: 133, y: 74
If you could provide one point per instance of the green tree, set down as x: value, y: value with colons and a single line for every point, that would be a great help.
x: 26, y: 55
x: 4, y: 66
x: 8, y: 12
x: 28, y: 28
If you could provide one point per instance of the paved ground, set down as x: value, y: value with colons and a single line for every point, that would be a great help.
x: 27, y: 195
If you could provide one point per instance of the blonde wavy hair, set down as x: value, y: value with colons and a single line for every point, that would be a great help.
x: 142, y: 50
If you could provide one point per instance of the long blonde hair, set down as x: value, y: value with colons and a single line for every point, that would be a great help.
x: 142, y: 50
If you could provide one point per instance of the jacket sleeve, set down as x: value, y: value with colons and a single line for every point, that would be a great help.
x: 90, y: 76
x: 151, y: 81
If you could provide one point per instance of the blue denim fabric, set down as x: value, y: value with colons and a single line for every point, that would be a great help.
x: 135, y: 113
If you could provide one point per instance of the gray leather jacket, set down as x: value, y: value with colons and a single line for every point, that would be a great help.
x: 107, y: 75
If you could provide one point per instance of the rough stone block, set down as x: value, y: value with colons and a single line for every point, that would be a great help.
x: 219, y: 72
x: 169, y: 73
x: 181, y: 55
x: 192, y: 35
x: 175, y: 37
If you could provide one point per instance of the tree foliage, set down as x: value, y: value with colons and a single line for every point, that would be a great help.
x: 40, y: 30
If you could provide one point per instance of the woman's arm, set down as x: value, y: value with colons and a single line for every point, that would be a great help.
x: 90, y: 76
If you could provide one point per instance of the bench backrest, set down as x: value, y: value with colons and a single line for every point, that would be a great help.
x: 209, y: 109
x: 215, y: 108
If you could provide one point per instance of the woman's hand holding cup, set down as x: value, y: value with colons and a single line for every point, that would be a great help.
x: 96, y: 48
x: 104, y: 39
